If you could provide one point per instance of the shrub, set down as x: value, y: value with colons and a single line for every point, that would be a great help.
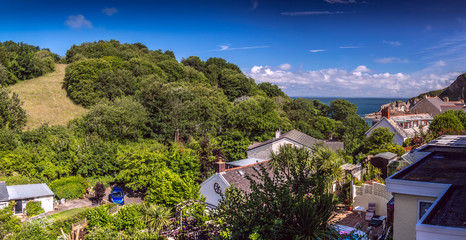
x: 34, y: 208
x: 69, y: 187
x: 99, y: 191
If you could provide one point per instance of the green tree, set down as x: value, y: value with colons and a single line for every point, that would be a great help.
x: 281, y: 204
x: 125, y: 118
x: 156, y: 217
x: 379, y: 138
x: 12, y: 115
x: 194, y: 62
x: 325, y: 125
x: 270, y: 89
x: 447, y: 121
x: 340, y: 109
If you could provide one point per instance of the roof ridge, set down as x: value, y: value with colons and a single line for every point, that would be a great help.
x: 236, y: 168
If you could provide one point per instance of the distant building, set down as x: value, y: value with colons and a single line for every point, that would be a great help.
x: 295, y: 138
x: 404, y: 126
x: 382, y: 160
x: 435, y: 106
x: 22, y: 194
x: 429, y: 194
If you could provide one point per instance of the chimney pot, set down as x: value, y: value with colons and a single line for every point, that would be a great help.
x: 278, y: 133
x: 219, y: 166
x: 386, y: 112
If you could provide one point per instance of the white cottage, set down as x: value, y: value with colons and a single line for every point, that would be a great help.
x: 224, y: 178
x: 22, y: 194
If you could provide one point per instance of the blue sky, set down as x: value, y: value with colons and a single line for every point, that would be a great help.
x: 343, y: 48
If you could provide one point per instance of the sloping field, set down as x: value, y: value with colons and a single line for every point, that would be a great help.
x: 45, y: 101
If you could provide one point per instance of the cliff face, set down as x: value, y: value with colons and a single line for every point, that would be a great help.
x: 457, y: 90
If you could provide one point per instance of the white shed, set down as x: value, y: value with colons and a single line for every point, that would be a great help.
x: 22, y: 194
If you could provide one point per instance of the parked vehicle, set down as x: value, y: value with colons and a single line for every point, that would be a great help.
x: 117, y: 196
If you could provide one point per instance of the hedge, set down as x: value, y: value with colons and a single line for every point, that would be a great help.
x: 69, y: 187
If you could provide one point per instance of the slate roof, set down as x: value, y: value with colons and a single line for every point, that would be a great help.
x: 395, y: 126
x: 386, y: 155
x: 443, y: 106
x: 244, y: 162
x: 300, y: 138
x: 237, y: 176
x: 28, y: 191
x: 412, y: 117
x: 3, y: 192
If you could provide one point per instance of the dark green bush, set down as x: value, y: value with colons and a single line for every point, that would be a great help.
x: 34, y: 208
x: 69, y: 187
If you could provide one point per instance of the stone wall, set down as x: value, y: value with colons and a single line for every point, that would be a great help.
x: 363, y: 195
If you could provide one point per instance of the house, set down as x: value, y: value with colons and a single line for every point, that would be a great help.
x: 434, y: 106
x: 404, y: 126
x: 382, y: 160
x: 223, y: 178
x: 295, y: 138
x: 22, y: 194
x: 429, y: 194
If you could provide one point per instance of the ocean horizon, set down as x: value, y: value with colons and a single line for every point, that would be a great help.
x: 365, y: 105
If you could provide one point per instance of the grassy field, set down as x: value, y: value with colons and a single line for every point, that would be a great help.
x: 68, y: 213
x: 45, y: 101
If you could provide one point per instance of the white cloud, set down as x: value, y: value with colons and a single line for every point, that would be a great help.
x: 78, y: 21
x: 109, y: 11
x: 285, y: 66
x: 309, y: 13
x: 340, y: 1
x: 339, y: 82
x: 361, y: 69
x: 392, y: 60
x: 344, y: 47
x: 228, y: 48
x: 393, y: 43
x: 317, y: 50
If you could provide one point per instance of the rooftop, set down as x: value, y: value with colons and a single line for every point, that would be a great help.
x: 412, y: 117
x: 300, y: 138
x: 244, y: 162
x: 446, y: 168
x: 28, y: 191
x: 449, y: 143
x: 3, y: 192
x: 386, y: 155
x: 237, y: 176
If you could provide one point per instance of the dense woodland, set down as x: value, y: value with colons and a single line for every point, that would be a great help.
x: 154, y: 124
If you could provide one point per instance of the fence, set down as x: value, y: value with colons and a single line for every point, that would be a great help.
x: 375, y: 192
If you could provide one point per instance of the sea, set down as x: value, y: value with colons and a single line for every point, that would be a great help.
x: 365, y: 105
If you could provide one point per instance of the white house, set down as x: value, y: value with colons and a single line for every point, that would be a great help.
x: 295, y: 138
x: 22, y: 194
x: 429, y: 194
x: 224, y: 178
x: 404, y: 126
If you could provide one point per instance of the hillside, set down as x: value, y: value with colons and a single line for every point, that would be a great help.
x: 456, y: 90
x: 45, y: 101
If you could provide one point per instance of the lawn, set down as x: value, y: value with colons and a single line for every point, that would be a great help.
x: 45, y: 101
x: 68, y: 213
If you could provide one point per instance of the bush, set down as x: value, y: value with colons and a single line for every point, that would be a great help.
x: 20, y: 180
x: 34, y: 208
x: 69, y: 187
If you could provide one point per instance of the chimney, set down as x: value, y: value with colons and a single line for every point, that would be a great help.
x: 278, y: 133
x: 219, y: 166
x: 445, y: 99
x: 425, y: 96
x: 386, y: 112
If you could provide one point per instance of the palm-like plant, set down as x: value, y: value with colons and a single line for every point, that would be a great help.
x: 156, y: 217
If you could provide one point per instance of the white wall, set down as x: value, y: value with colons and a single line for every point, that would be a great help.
x: 375, y: 193
x: 207, y: 189
x: 47, y: 203
x: 384, y: 123
x: 263, y: 152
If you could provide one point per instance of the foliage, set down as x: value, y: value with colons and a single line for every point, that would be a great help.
x: 340, y: 109
x: 21, y: 61
x: 8, y: 222
x: 281, y: 204
x: 33, y: 231
x: 99, y: 191
x: 129, y: 218
x: 449, y: 120
x: 20, y: 180
x: 34, y: 208
x: 156, y: 217
x: 125, y: 118
x: 270, y: 89
x: 99, y: 216
x: 379, y: 138
x: 168, y: 188
x: 325, y: 126
x: 69, y: 187
x: 12, y: 115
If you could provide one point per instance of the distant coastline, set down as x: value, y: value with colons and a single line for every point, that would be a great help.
x: 365, y: 105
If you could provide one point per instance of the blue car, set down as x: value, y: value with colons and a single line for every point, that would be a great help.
x: 117, y: 196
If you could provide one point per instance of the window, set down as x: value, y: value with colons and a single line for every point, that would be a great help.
x: 408, y: 125
x: 423, y: 206
x: 415, y: 124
